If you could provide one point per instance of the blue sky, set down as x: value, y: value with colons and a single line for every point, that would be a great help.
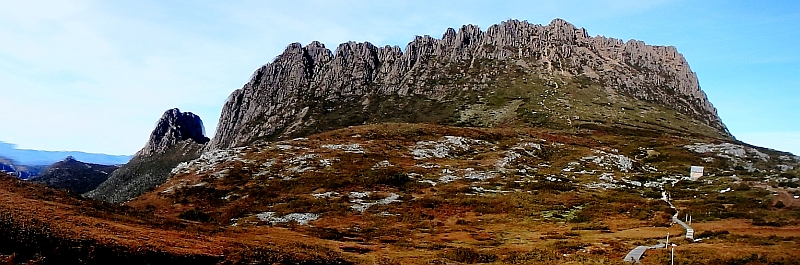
x: 95, y: 76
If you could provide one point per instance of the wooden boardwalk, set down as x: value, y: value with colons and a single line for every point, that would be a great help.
x: 689, y: 230
x: 636, y: 254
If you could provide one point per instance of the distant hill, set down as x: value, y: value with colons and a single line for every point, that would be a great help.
x: 13, y: 168
x: 38, y: 157
x: 74, y: 175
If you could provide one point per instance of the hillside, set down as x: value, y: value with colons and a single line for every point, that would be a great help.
x: 421, y: 194
x: 412, y: 193
x: 40, y: 225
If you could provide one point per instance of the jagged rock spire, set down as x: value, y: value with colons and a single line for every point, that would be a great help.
x: 177, y: 137
x: 173, y: 127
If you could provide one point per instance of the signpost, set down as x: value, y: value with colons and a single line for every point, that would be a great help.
x: 672, y: 258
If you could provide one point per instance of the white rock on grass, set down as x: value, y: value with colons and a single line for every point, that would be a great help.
x: 764, y: 157
x: 347, y: 148
x: 360, y: 205
x: 472, y: 174
x: 300, y: 160
x: 448, y: 178
x: 208, y: 161
x: 510, y: 156
x: 727, y: 150
x: 607, y: 160
x: 326, y: 162
x: 284, y: 147
x: 325, y: 194
x: 444, y: 147
x: 433, y: 183
x: 299, y: 218
x: 485, y: 190
x: 428, y: 165
x: 601, y: 185
x: 607, y: 177
x: 359, y: 194
x: 301, y: 163
x: 382, y: 164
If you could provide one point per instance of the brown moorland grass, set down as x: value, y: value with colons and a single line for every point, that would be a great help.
x: 533, y: 219
x: 51, y: 227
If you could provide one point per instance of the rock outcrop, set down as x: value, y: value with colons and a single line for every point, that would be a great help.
x: 283, y: 97
x: 177, y: 137
x: 74, y: 175
x: 172, y: 128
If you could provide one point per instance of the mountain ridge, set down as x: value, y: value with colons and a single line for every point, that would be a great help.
x: 304, y: 82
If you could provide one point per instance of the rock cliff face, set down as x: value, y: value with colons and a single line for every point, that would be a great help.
x: 172, y: 128
x: 74, y: 175
x: 289, y: 96
x: 177, y: 137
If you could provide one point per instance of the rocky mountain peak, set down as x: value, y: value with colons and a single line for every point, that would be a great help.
x: 173, y: 127
x: 177, y: 137
x: 307, y: 89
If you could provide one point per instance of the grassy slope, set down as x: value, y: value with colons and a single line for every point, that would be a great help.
x: 537, y: 221
x: 54, y: 227
x: 142, y: 174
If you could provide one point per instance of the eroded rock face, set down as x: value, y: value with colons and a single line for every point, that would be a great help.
x: 173, y: 127
x: 178, y: 137
x: 304, y: 82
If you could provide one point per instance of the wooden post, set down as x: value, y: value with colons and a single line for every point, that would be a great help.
x: 673, y: 256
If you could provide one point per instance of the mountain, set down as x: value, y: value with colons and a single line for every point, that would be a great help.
x: 514, y: 74
x: 38, y: 157
x: 73, y: 175
x: 521, y: 144
x: 177, y: 137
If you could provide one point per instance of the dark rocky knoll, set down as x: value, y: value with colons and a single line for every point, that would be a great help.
x: 309, y: 89
x: 74, y: 175
x: 177, y: 137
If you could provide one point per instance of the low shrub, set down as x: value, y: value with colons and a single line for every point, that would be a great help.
x: 469, y: 256
x: 195, y: 215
